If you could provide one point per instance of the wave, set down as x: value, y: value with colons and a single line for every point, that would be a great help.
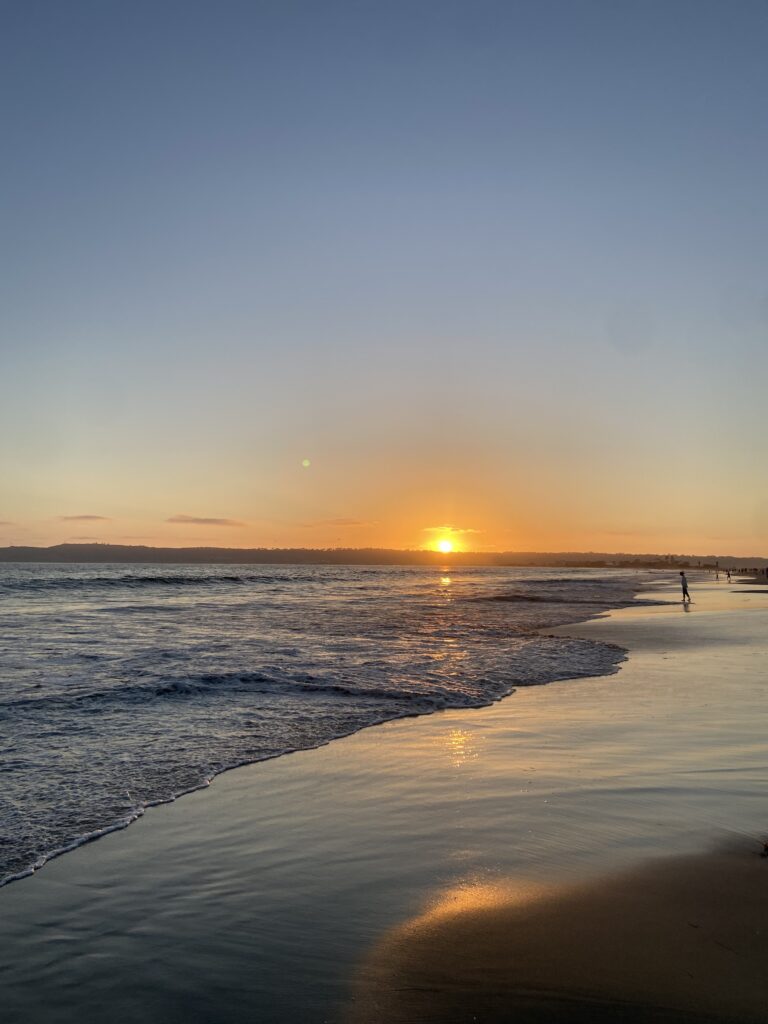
x: 227, y: 683
x: 564, y: 658
x: 136, y: 582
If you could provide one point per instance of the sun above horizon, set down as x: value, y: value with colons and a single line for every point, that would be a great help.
x: 445, y: 546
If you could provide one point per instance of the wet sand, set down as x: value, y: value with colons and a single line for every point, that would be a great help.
x: 265, y: 896
x: 683, y: 939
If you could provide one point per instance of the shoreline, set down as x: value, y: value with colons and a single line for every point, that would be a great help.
x: 259, y: 897
x: 140, y: 810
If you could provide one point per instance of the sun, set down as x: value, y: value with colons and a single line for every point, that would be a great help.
x: 445, y: 546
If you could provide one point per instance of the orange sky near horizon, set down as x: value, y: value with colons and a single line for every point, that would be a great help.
x: 405, y: 517
x: 397, y: 479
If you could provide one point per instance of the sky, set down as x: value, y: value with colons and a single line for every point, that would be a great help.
x: 383, y: 273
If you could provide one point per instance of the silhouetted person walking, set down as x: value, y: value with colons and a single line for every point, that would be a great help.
x: 684, y: 585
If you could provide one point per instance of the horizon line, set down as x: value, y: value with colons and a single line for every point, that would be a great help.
x: 91, y: 545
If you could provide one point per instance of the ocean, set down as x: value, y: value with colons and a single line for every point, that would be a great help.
x: 126, y: 686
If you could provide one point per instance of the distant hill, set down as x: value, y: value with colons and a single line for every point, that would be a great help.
x: 358, y: 556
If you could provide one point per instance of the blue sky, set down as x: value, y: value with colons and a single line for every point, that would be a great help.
x: 495, y: 266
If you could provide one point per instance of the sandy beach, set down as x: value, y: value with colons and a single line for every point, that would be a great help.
x: 585, y: 850
x: 682, y: 939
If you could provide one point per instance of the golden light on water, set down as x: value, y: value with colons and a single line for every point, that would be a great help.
x: 471, y: 896
x: 461, y: 747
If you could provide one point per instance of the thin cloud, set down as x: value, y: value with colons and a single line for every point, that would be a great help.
x: 84, y: 538
x: 203, y: 521
x: 84, y: 519
x: 338, y: 522
x: 5, y: 522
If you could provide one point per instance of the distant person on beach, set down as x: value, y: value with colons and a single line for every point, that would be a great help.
x: 684, y: 585
x: 728, y: 575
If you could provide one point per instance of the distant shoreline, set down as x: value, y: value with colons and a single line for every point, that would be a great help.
x: 129, y: 553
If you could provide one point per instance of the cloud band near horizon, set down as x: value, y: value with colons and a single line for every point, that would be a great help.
x: 203, y: 521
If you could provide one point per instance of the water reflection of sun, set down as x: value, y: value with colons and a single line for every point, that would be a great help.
x: 461, y: 746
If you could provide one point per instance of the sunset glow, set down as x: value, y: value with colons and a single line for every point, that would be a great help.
x: 445, y: 545
x: 384, y: 326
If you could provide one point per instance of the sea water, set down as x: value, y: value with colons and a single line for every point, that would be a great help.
x: 122, y: 686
